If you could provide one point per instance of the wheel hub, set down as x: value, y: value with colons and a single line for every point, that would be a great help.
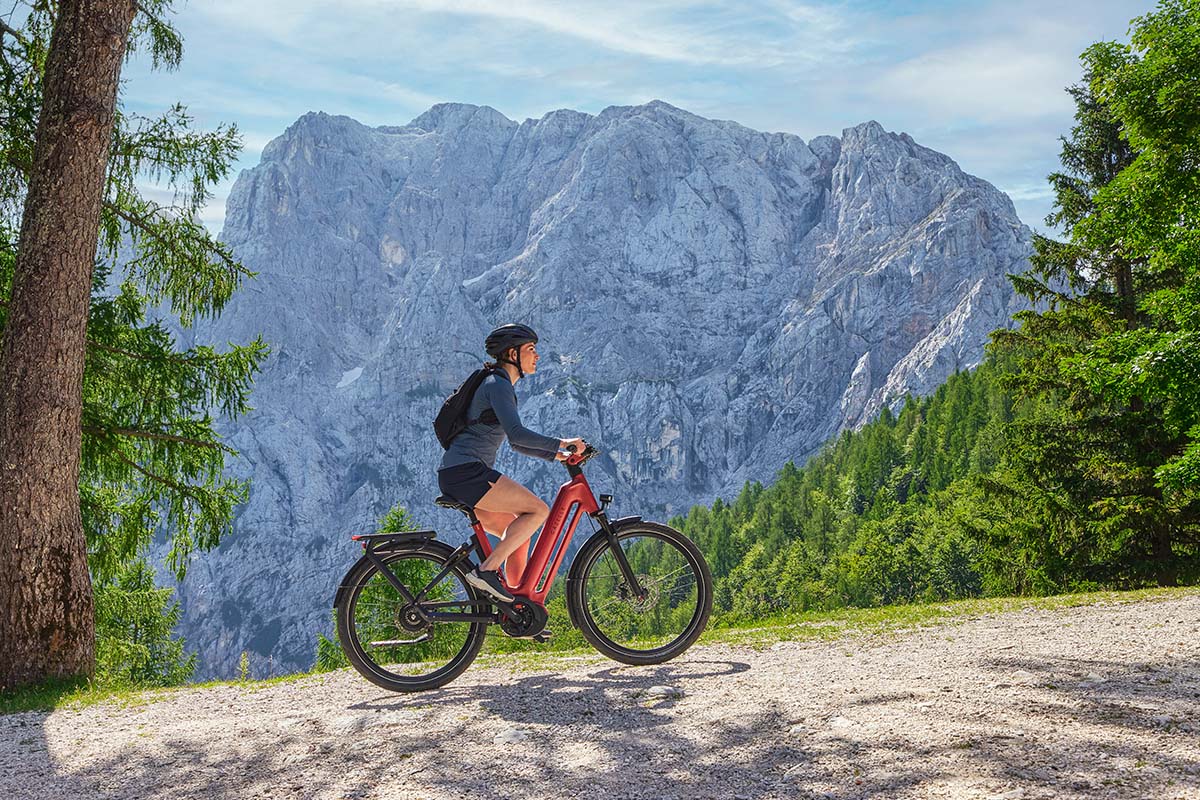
x: 648, y: 597
x: 410, y: 620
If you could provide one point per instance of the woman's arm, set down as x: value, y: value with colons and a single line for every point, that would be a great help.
x: 503, y: 398
x: 548, y: 455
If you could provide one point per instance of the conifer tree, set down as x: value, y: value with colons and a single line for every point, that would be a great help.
x: 1103, y: 445
x: 130, y: 417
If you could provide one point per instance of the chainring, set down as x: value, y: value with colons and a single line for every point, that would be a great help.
x: 528, y: 619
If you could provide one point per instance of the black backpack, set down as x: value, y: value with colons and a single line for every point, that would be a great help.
x: 452, y: 419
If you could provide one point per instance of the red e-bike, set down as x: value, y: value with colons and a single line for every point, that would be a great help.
x: 639, y: 592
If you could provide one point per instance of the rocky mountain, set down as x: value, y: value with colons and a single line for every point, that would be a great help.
x: 713, y: 301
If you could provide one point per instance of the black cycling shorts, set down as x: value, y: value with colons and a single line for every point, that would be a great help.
x: 467, y: 483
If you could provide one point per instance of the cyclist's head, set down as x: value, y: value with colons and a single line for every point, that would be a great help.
x: 504, y: 344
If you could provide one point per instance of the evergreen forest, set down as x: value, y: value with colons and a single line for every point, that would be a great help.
x: 1070, y: 460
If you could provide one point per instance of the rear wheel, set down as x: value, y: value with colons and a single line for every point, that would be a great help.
x: 391, y: 642
x: 668, y: 615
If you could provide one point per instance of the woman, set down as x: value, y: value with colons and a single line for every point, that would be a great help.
x: 504, y: 507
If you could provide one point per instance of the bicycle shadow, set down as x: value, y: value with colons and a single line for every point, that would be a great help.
x: 522, y: 699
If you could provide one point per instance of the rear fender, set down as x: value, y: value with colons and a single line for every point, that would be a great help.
x: 397, y: 543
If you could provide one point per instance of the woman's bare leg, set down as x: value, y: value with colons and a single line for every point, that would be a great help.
x: 506, y: 495
x: 494, y: 522
x: 497, y: 522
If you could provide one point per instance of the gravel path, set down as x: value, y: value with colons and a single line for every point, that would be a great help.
x: 1084, y: 702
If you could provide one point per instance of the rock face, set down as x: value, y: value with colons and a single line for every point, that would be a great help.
x: 712, y: 301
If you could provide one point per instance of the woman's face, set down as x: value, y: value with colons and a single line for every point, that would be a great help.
x: 528, y: 355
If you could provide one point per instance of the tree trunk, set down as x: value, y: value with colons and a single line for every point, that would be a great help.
x: 47, y: 626
x: 1166, y: 570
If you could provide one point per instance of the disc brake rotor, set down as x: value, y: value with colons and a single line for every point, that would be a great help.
x: 650, y: 592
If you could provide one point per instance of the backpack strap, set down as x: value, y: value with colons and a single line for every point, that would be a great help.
x: 488, y: 417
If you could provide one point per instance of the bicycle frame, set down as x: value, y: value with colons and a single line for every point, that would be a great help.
x: 574, y: 498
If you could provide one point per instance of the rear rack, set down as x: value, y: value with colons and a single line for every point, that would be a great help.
x: 397, y: 536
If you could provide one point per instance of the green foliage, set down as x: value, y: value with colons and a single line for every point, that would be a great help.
x: 151, y: 462
x: 330, y: 655
x: 892, y: 513
x: 134, y: 620
x: 1106, y: 451
x: 926, y: 505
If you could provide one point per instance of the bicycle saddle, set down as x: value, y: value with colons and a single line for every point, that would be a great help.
x: 450, y: 502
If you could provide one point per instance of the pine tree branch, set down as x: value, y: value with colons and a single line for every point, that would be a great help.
x: 177, y: 359
x: 11, y: 159
x: 146, y: 226
x: 151, y: 435
x: 13, y: 32
x: 179, y: 487
x: 143, y: 10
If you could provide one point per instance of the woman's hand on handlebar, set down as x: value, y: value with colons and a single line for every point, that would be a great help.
x: 571, y: 447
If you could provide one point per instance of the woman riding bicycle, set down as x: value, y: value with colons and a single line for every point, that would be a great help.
x: 504, y: 507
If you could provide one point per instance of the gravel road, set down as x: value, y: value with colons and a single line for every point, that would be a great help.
x: 1091, y: 701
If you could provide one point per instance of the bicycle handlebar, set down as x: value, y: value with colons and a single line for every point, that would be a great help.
x: 576, y: 459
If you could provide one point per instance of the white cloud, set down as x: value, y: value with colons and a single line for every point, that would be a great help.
x: 767, y: 33
x: 253, y: 144
x: 982, y: 82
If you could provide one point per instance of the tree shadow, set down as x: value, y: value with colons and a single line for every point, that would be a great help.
x: 604, y: 734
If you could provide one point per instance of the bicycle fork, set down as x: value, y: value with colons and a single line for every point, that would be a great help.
x: 618, y: 554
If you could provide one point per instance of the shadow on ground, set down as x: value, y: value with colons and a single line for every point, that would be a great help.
x: 601, y: 735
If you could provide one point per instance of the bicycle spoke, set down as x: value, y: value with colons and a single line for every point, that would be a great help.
x: 400, y: 640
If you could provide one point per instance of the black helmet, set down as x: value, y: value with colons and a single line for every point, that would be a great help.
x: 506, y: 336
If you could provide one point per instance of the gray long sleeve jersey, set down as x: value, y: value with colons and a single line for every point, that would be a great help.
x: 480, y: 442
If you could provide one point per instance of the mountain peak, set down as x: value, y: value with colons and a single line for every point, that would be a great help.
x: 453, y: 116
x: 866, y: 130
x: 713, y: 301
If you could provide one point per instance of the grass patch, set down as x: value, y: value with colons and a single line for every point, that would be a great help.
x: 830, y: 625
x: 79, y: 693
x: 73, y: 694
x: 568, y: 644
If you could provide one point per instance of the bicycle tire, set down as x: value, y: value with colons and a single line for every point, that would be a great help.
x: 363, y: 577
x: 582, y: 584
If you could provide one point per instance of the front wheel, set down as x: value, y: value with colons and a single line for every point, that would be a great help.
x: 666, y: 617
x: 401, y: 646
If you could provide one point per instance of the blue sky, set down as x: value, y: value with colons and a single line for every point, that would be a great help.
x: 980, y: 81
